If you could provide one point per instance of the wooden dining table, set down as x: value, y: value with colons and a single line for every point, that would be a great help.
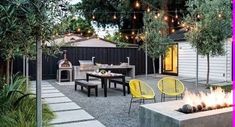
x: 104, y: 79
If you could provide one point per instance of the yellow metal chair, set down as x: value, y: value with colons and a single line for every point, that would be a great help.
x: 140, y: 91
x: 171, y: 87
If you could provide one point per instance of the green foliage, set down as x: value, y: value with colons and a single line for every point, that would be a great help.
x: 209, y: 22
x: 155, y: 35
x: 118, y: 39
x: 209, y: 31
x: 74, y: 24
x: 18, y: 108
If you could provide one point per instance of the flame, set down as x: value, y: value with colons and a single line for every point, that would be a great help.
x: 214, y: 98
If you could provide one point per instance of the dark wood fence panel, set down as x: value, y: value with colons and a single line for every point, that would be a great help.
x: 102, y: 55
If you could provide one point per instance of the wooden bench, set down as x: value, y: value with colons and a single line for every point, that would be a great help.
x: 119, y: 81
x: 87, y: 85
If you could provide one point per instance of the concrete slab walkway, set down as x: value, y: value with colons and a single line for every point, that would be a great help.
x: 68, y: 113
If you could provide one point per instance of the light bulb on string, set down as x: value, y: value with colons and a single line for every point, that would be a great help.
x: 137, y: 4
x: 176, y: 16
x: 219, y: 15
x: 134, y: 17
x: 172, y: 20
x: 178, y: 23
x: 198, y: 16
x: 173, y: 30
x: 127, y: 37
x: 148, y: 9
x: 158, y: 14
x: 132, y: 32
x: 93, y: 17
x: 165, y: 18
x: 155, y: 16
x: 78, y: 30
x: 114, y: 17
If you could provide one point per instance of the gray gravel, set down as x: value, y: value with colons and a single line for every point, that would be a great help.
x: 112, y: 111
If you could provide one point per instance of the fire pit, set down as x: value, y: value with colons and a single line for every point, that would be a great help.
x: 216, y: 99
x: 199, y: 110
x: 64, y: 65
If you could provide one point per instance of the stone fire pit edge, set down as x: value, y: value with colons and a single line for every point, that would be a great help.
x: 165, y: 115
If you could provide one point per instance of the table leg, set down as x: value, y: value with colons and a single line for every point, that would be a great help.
x: 124, y: 86
x: 105, y: 87
x: 87, y: 77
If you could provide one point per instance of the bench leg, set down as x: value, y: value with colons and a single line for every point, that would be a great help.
x: 115, y: 85
x: 109, y: 84
x: 96, y: 91
x: 89, y: 92
x: 75, y: 87
x: 124, y: 90
x: 81, y: 88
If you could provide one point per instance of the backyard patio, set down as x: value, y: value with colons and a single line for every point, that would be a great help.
x: 111, y: 111
x: 116, y: 63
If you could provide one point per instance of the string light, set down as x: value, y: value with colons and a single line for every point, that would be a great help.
x: 89, y: 31
x: 114, y: 16
x: 158, y: 14
x: 148, y: 9
x: 93, y: 17
x: 183, y: 25
x: 220, y: 15
x: 134, y: 17
x: 176, y: 16
x: 178, y: 23
x: 127, y: 37
x: 172, y: 21
x: 173, y: 30
x: 78, y: 30
x: 155, y: 16
x: 132, y: 32
x: 137, y: 4
x: 165, y: 18
x: 198, y: 16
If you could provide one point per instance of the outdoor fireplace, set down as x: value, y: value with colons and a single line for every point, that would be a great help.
x: 216, y: 99
x: 202, y: 110
x: 64, y: 65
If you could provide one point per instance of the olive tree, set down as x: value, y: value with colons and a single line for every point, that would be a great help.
x: 155, y: 36
x: 209, y: 25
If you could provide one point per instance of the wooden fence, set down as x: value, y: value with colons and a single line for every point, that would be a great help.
x: 102, y: 55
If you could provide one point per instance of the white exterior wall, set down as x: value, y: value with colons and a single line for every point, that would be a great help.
x: 220, y: 66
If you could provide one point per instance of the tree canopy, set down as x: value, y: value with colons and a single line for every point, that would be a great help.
x: 209, y: 25
x: 155, y: 35
x: 122, y: 13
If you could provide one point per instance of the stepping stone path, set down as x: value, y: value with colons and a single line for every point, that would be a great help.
x: 68, y: 113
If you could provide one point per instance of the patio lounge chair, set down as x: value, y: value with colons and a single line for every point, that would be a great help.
x: 140, y: 91
x: 171, y: 87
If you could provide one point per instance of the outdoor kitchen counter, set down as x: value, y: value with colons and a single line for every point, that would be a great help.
x: 166, y: 115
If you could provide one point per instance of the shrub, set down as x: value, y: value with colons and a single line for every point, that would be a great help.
x: 18, y: 107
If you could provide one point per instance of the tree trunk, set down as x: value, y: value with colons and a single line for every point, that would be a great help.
x: 154, y: 68
x: 38, y: 81
x: 27, y: 72
x: 11, y: 75
x: 208, y: 69
x: 8, y: 71
x: 23, y: 65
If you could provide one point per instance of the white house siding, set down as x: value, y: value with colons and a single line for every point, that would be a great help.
x: 220, y: 66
